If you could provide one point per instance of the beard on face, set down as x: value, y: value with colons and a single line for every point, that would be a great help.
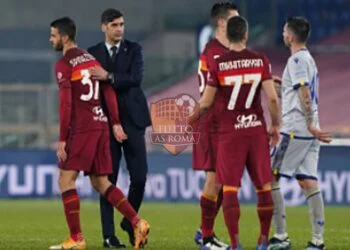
x: 286, y: 42
x: 58, y: 46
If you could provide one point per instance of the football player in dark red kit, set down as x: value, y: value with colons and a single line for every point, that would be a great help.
x: 237, y: 78
x: 205, y: 151
x: 84, y: 134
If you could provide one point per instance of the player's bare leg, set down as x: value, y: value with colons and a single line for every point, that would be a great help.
x: 118, y: 200
x: 265, y: 211
x: 211, y: 187
x: 71, y: 205
x: 280, y: 240
x: 314, y: 199
x: 210, y: 203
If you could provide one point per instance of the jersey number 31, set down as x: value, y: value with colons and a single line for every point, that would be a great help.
x: 93, y: 93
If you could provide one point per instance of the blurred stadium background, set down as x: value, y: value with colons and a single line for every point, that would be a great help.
x: 172, y: 34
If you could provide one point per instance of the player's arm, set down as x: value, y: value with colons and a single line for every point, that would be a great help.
x: 63, y: 74
x: 207, y: 98
x: 202, y: 72
x: 278, y: 85
x: 211, y: 86
x: 112, y: 106
x: 300, y: 79
x: 268, y: 84
x: 306, y: 104
x: 274, y: 109
x: 65, y: 105
x: 272, y: 101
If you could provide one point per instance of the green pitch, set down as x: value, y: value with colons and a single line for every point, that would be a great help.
x: 38, y: 224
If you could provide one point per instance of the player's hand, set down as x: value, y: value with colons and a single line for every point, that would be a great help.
x: 188, y: 129
x: 119, y: 133
x: 61, y: 151
x: 98, y: 73
x: 274, y: 133
x: 277, y: 79
x: 320, y: 135
x: 194, y: 116
x: 191, y: 120
x: 278, y: 85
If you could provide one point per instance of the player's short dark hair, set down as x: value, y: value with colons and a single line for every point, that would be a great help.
x: 109, y: 15
x: 65, y: 26
x: 300, y: 26
x: 237, y: 26
x: 221, y: 10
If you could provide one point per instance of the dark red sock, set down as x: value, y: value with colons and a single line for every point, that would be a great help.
x: 231, y: 210
x: 219, y: 202
x: 208, y: 212
x: 71, y: 206
x: 265, y: 211
x: 118, y: 200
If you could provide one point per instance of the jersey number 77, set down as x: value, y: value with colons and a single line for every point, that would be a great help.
x: 237, y: 81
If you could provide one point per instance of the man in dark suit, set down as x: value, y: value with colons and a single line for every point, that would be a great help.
x: 122, y: 63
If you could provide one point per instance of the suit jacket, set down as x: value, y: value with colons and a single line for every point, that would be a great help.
x: 128, y: 75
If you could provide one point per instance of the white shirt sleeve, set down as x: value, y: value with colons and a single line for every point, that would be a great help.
x: 298, y: 72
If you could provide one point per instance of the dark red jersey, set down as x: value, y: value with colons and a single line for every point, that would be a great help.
x: 79, y: 95
x: 213, y: 50
x: 238, y: 77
